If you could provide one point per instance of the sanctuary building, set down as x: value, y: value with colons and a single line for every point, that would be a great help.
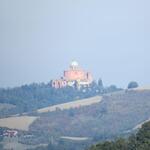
x: 74, y: 76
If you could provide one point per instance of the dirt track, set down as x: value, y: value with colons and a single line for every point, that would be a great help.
x: 74, y: 104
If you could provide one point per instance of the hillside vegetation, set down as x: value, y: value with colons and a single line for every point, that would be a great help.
x: 117, y: 113
x: 28, y: 98
x: 25, y: 121
x: 140, y: 141
x: 113, y: 115
x: 70, y: 105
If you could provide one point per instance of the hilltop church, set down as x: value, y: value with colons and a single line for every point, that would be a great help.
x: 74, y: 76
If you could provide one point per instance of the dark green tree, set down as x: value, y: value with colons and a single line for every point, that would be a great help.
x: 140, y: 141
x: 132, y: 84
x: 100, y: 83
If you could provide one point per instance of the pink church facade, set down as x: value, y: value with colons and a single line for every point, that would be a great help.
x: 73, y: 75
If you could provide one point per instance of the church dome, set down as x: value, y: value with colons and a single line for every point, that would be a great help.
x: 74, y: 64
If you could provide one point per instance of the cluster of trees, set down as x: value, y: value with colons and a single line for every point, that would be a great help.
x: 132, y: 84
x: 140, y: 141
x: 28, y: 98
x: 2, y: 130
x: 1, y: 133
x: 68, y: 145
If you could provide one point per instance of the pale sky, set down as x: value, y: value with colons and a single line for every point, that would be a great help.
x: 39, y: 39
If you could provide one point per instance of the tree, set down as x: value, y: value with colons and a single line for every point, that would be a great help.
x: 100, y: 83
x: 132, y: 84
x: 139, y: 141
x: 132, y: 142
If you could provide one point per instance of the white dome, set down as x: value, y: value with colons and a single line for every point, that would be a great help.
x: 74, y: 64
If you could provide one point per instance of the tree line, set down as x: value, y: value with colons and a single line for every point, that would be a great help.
x: 28, y: 98
x: 139, y: 141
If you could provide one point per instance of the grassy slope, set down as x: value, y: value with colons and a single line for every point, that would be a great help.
x: 20, y: 123
x: 116, y: 114
x: 69, y: 105
x: 23, y: 122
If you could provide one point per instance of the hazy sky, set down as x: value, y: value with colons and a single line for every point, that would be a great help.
x: 39, y: 38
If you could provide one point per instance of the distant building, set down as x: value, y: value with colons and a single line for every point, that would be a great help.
x: 10, y: 133
x: 74, y: 76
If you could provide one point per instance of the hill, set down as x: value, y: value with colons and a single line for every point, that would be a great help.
x: 117, y: 113
x: 113, y: 115
x: 29, y: 98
